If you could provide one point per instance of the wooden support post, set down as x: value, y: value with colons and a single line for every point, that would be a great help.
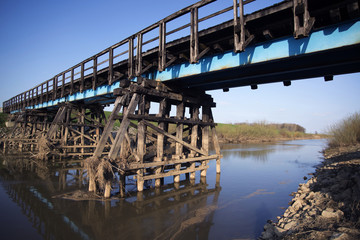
x: 194, y: 38
x: 82, y: 74
x: 303, y: 23
x: 92, y: 184
x: 54, y: 88
x: 82, y: 122
x: 72, y: 81
x: 47, y: 91
x: 94, y: 73
x: 131, y: 58
x: 160, y: 141
x: 205, y: 136
x: 140, y: 153
x: 63, y: 85
x: 122, y: 184
x: 139, y: 55
x: 111, y: 62
x: 162, y: 46
x: 194, y: 137
x: 107, y: 191
x: 180, y: 108
x: 215, y: 140
x: 240, y: 41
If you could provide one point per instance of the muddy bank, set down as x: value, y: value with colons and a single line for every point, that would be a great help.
x: 327, y: 206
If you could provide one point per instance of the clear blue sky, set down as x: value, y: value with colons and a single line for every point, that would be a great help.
x: 41, y: 38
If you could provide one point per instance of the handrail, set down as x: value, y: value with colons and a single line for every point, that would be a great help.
x: 48, y: 90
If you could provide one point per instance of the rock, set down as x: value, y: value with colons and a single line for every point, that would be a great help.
x: 280, y: 232
x: 298, y: 204
x: 310, y: 196
x: 340, y: 236
x: 290, y: 225
x: 349, y: 230
x: 330, y: 213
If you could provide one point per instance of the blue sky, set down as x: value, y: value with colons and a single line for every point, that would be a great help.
x: 41, y: 38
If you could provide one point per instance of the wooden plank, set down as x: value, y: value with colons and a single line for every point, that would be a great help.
x: 174, y: 172
x: 167, y: 120
x: 137, y: 165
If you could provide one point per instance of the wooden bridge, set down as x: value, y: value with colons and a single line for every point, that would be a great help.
x: 145, y: 77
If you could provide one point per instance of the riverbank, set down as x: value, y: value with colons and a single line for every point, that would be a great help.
x: 262, y: 132
x: 327, y: 206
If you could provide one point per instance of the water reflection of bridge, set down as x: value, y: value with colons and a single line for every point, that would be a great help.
x: 173, y: 211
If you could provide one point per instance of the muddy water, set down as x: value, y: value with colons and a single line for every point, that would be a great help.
x: 254, y: 186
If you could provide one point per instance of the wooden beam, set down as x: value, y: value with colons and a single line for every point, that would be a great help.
x: 174, y: 138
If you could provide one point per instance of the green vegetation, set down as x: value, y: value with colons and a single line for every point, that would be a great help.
x: 346, y: 132
x: 260, y: 132
x: 3, y: 117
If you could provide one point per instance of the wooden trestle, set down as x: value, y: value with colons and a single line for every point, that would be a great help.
x: 149, y: 146
x: 154, y: 146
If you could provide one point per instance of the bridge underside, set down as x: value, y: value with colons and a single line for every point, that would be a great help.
x: 318, y: 64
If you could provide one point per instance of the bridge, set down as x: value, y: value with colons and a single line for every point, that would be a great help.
x: 145, y: 73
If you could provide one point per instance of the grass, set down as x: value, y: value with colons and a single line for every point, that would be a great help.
x: 346, y: 132
x: 257, y: 132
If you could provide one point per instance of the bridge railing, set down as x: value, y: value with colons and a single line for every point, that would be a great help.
x: 129, y: 51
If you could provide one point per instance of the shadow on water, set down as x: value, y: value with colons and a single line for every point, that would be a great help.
x: 175, y: 211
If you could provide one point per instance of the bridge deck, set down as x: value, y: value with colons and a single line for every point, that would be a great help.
x: 206, y: 59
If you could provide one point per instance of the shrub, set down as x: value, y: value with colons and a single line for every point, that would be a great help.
x: 346, y: 132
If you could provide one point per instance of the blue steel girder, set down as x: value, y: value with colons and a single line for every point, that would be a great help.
x: 330, y: 51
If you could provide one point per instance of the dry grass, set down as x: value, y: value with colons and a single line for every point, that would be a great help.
x: 346, y: 132
x: 101, y: 169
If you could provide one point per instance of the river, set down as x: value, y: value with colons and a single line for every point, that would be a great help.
x: 254, y: 186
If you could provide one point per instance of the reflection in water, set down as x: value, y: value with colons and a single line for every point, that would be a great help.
x: 258, y: 152
x: 256, y: 180
x: 175, y: 211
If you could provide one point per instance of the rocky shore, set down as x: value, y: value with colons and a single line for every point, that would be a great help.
x: 327, y: 206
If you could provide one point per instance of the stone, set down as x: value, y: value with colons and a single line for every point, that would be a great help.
x: 280, y: 232
x: 310, y: 196
x: 290, y: 225
x: 340, y: 236
x: 330, y: 213
x: 298, y: 204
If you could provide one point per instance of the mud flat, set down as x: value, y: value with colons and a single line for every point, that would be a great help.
x: 327, y: 206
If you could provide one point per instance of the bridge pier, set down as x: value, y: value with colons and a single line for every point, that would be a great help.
x: 151, y: 145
